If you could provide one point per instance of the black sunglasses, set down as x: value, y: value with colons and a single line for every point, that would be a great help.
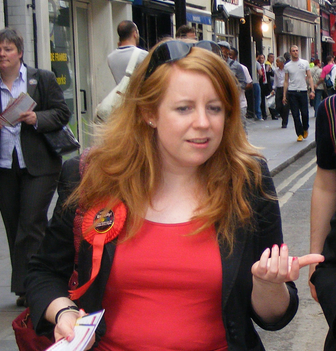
x: 174, y: 50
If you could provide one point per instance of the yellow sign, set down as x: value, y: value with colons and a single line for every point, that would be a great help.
x: 58, y: 56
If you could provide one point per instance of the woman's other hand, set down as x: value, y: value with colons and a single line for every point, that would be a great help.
x: 276, y: 266
x: 270, y: 296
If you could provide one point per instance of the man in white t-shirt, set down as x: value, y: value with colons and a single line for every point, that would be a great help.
x: 128, y: 40
x: 297, y: 72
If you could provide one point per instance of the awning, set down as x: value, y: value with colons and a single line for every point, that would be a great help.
x: 327, y: 39
x: 199, y: 16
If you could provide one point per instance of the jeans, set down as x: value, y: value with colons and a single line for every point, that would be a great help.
x: 257, y: 99
x: 298, y: 102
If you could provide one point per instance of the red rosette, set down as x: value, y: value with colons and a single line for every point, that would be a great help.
x: 100, y: 226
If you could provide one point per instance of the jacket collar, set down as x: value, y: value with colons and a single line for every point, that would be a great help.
x: 32, y: 80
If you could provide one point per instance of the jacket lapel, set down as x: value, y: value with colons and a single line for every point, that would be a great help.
x: 32, y: 80
x: 231, y: 264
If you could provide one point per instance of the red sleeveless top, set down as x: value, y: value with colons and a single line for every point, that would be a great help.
x: 165, y: 292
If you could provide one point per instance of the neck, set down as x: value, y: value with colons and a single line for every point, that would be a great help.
x: 185, y: 177
x: 176, y: 200
x: 128, y: 42
x: 295, y: 59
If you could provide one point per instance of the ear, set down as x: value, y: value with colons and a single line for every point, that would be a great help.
x: 151, y: 122
x: 149, y: 118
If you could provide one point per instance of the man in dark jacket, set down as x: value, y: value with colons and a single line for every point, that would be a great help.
x: 265, y: 82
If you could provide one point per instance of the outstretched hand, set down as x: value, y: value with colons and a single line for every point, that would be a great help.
x: 276, y: 266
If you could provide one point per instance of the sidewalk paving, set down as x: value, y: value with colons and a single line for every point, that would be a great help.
x: 278, y: 145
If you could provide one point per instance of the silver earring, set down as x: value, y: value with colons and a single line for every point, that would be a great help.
x: 151, y: 124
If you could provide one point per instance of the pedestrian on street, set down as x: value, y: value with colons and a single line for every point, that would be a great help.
x: 323, y: 217
x: 265, y: 82
x: 257, y: 89
x: 128, y: 41
x: 186, y: 32
x: 234, y: 65
x: 295, y: 91
x: 287, y: 57
x: 270, y: 60
x: 325, y: 71
x: 319, y: 87
x: 28, y: 170
x: 248, y: 86
x: 190, y: 230
x: 278, y: 84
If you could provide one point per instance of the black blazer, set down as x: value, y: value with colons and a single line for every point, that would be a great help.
x: 51, y: 268
x: 52, y: 113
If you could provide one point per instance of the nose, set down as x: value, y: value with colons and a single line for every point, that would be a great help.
x: 201, y: 119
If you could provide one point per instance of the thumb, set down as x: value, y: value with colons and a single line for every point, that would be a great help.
x: 310, y: 259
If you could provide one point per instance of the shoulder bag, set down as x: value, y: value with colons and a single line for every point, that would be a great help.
x: 61, y: 141
x: 113, y: 99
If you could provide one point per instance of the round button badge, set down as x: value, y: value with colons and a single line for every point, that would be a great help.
x: 104, y: 223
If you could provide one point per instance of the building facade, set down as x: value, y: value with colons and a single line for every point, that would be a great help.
x: 74, y: 37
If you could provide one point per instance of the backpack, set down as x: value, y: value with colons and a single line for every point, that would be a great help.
x: 330, y: 78
x: 113, y: 99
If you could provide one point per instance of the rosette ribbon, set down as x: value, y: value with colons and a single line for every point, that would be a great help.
x: 100, y: 226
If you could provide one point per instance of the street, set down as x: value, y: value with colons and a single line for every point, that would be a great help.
x: 308, y: 329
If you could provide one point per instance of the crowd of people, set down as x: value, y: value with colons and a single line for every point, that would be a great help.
x: 171, y: 217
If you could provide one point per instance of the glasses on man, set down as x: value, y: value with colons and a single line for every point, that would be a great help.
x: 173, y: 50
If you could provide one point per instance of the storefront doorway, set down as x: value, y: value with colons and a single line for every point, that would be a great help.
x: 70, y: 61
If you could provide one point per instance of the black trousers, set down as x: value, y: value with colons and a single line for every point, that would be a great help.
x: 298, y: 102
x: 24, y: 203
x: 265, y: 91
x: 280, y: 107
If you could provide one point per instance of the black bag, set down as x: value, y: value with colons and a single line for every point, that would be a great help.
x: 62, y: 141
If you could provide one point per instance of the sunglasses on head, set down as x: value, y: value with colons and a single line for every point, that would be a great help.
x: 173, y: 50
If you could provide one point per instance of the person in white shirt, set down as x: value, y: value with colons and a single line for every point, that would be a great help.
x: 278, y: 86
x: 128, y: 40
x: 295, y: 88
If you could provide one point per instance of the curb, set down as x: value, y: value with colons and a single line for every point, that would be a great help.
x: 292, y: 159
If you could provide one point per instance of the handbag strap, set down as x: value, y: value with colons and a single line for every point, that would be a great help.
x: 132, y: 62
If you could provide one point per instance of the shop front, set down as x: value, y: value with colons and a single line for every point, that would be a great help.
x: 81, y: 35
x: 70, y: 60
x: 295, y: 26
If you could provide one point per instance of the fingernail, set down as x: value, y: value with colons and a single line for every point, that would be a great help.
x: 68, y: 338
x: 295, y: 258
x: 283, y: 246
x: 274, y: 246
x: 81, y: 310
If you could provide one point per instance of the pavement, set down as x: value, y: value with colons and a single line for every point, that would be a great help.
x: 278, y: 145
